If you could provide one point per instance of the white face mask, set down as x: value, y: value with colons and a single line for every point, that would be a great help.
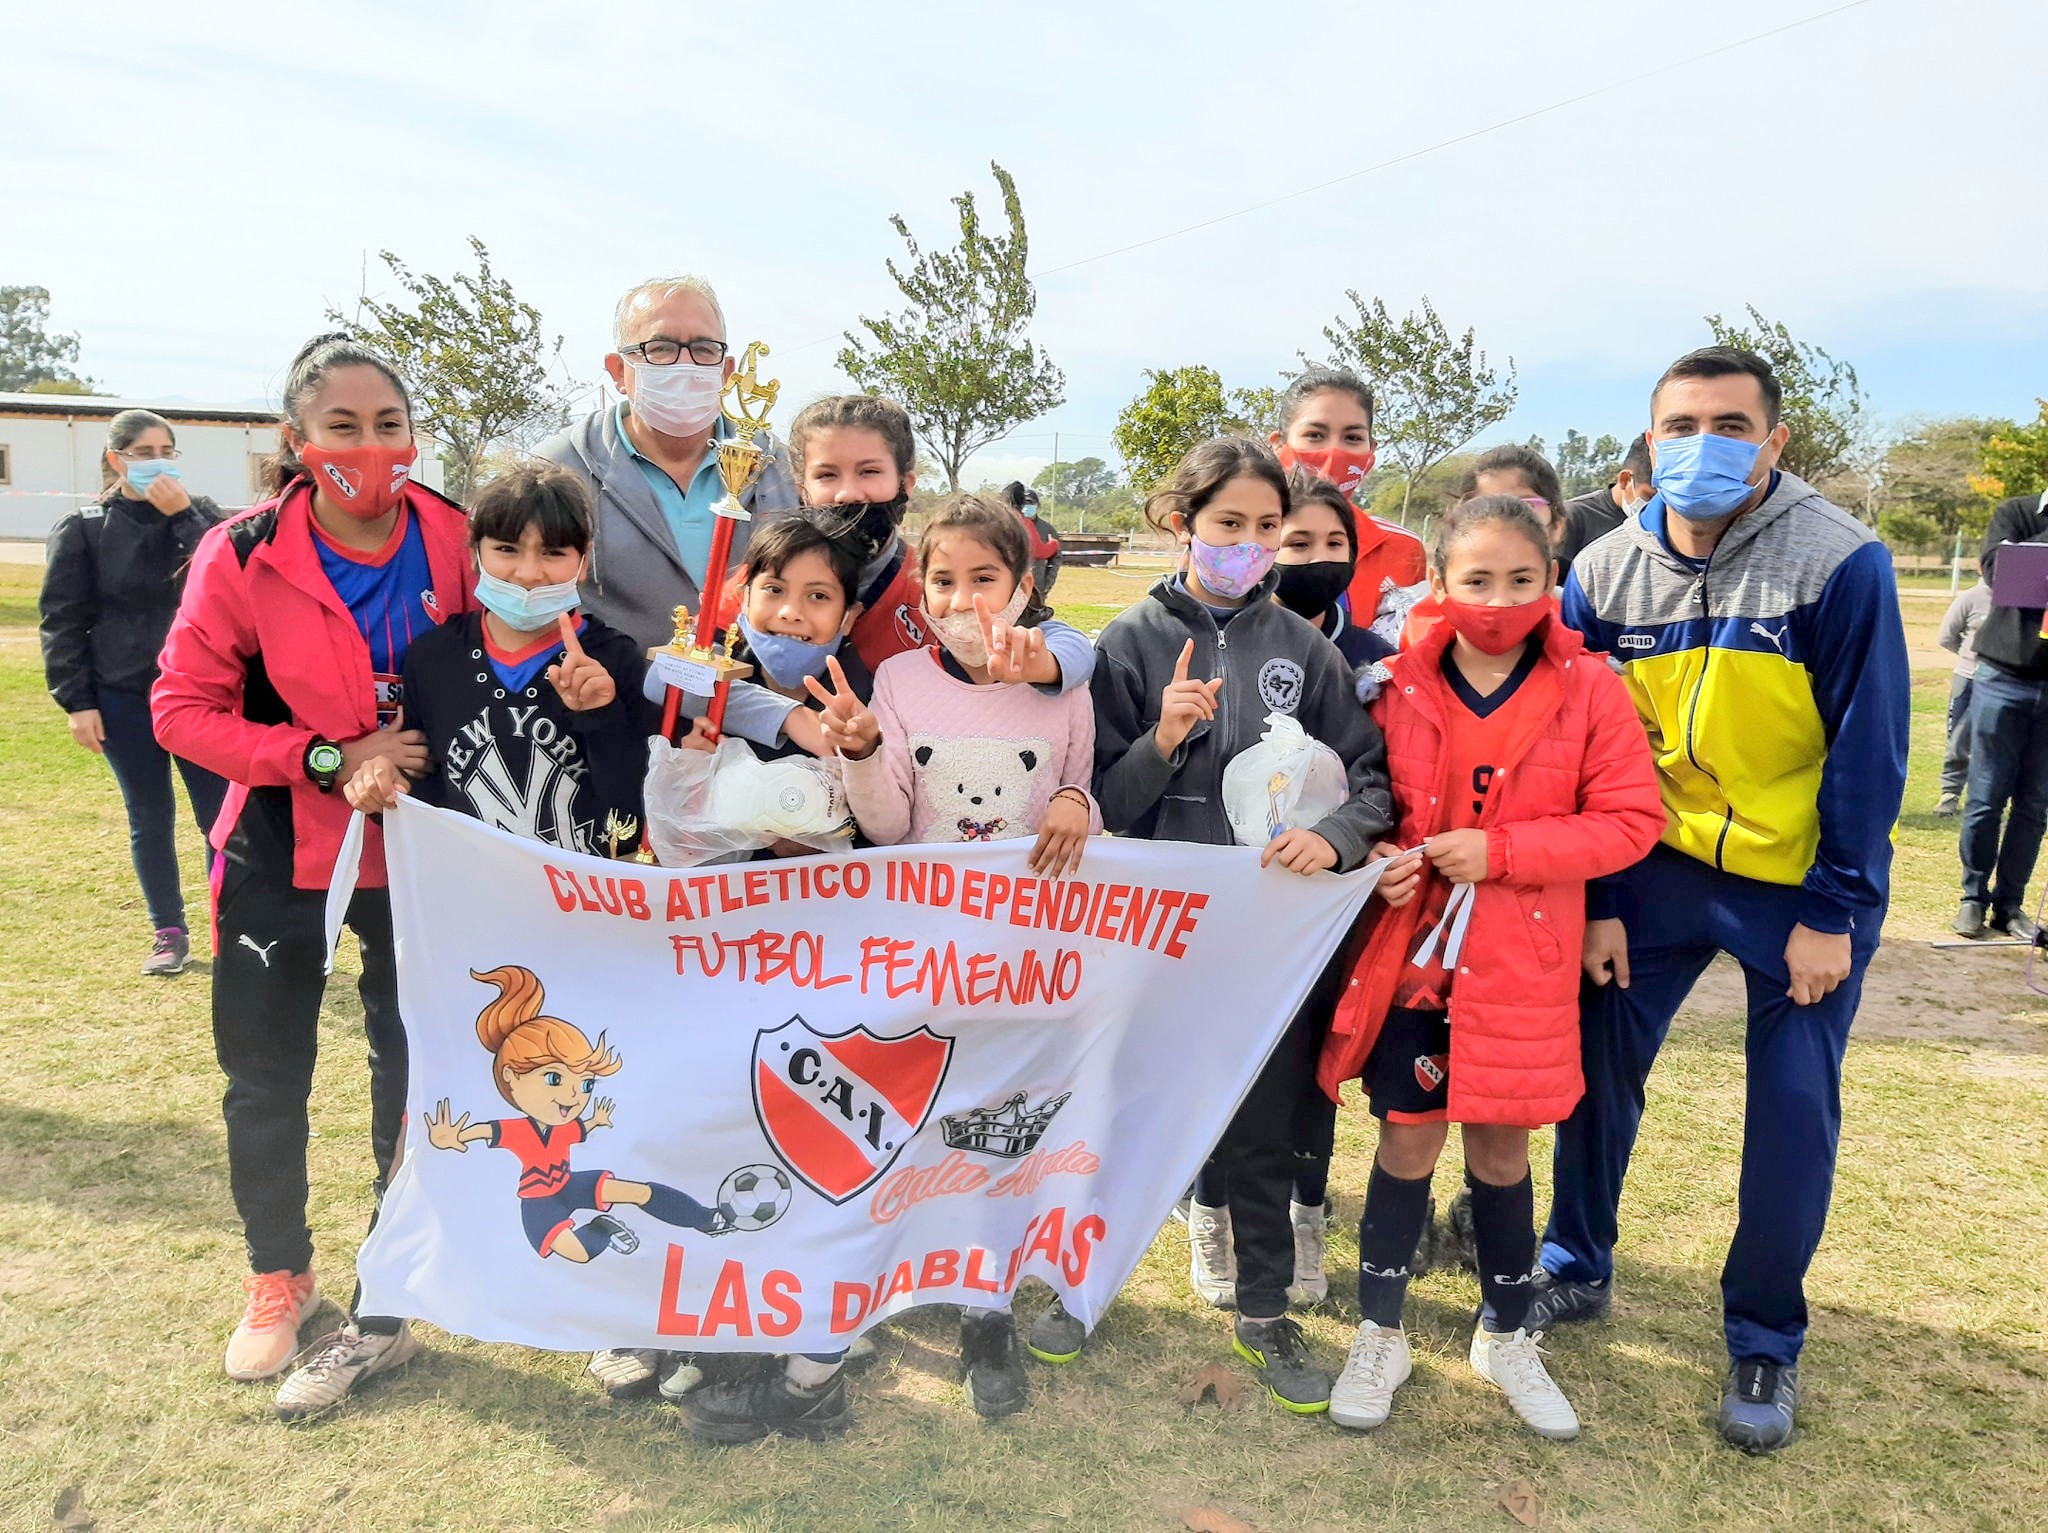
x: 680, y: 400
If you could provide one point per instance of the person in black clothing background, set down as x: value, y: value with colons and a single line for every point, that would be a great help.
x: 114, y: 572
x: 1591, y: 517
x: 1045, y: 538
x: 2008, y: 745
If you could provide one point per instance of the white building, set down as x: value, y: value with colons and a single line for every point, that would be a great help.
x: 52, y: 447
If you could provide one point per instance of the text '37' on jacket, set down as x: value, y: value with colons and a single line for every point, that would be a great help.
x: 1572, y: 797
x: 1773, y: 683
x: 264, y: 656
x: 1271, y: 661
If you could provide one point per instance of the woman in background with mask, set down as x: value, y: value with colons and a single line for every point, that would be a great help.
x: 111, y: 584
x: 281, y: 673
x: 1318, y: 556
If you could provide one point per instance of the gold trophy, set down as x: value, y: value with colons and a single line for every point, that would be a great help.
x: 690, y: 662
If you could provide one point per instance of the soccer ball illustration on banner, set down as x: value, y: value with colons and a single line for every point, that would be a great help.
x: 753, y: 1197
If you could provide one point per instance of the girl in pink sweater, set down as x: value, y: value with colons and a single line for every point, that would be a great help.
x: 953, y: 750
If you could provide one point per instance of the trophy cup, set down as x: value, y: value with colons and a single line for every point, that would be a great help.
x: 691, y: 662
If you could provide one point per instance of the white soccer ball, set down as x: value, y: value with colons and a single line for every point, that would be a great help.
x: 754, y: 1197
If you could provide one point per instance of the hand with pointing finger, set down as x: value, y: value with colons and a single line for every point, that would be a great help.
x: 848, y: 727
x: 1183, y: 704
x: 583, y: 683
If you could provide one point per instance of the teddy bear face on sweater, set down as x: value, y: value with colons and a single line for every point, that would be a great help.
x: 977, y: 787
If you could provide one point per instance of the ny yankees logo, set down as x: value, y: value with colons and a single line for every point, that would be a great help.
x: 262, y: 952
x: 543, y: 809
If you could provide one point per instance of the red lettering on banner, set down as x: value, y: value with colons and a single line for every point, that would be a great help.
x: 972, y: 882
x: 1190, y: 912
x: 941, y: 1269
x: 1075, y: 1159
x: 905, y: 1188
x: 783, y: 1315
x: 728, y: 1307
x: 668, y: 1320
x: 975, y: 1258
x: 610, y: 896
x: 849, y: 1306
x: 566, y: 898
x: 1086, y: 1233
x: 904, y: 1281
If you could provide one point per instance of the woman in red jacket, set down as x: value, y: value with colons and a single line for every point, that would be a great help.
x: 281, y: 674
x: 1519, y: 771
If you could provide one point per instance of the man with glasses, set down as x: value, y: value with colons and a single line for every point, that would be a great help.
x: 651, y: 461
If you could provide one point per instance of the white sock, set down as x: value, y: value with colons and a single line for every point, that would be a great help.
x: 808, y: 1373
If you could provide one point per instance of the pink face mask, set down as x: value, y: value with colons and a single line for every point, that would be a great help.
x: 1233, y: 571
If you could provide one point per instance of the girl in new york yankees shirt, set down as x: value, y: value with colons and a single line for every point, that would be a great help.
x: 280, y: 673
x: 533, y: 713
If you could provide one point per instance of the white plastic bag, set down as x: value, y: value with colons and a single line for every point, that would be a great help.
x: 1288, y: 781
x: 706, y: 805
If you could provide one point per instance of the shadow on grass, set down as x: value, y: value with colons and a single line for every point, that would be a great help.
x: 114, y: 1169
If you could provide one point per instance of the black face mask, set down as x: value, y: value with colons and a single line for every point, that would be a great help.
x: 1309, y: 589
x: 863, y: 526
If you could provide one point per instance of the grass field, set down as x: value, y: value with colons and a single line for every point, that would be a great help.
x: 1926, y: 1381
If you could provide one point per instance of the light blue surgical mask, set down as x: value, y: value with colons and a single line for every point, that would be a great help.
x: 787, y: 659
x: 141, y: 472
x: 525, y: 608
x: 1705, y: 478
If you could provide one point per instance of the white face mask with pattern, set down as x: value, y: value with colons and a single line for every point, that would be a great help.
x: 961, y: 632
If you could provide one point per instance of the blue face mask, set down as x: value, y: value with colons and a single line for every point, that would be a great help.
x: 526, y: 609
x: 1705, y: 478
x: 788, y: 660
x: 141, y: 474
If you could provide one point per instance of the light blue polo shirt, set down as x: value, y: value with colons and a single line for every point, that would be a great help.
x: 687, y: 511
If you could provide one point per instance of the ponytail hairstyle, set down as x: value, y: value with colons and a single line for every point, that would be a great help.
x: 1206, y: 470
x: 122, y: 431
x: 521, y: 1040
x: 863, y: 412
x: 989, y: 520
x: 1468, y: 516
x: 317, y: 359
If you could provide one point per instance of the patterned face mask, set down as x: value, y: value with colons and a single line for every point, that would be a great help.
x: 1232, y: 571
x: 961, y: 632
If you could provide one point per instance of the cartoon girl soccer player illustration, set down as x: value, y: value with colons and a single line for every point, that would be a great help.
x: 546, y: 1068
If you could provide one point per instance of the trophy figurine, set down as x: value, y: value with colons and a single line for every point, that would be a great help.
x: 691, y: 662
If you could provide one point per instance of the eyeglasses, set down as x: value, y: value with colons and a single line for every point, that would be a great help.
x: 666, y: 353
x: 148, y: 455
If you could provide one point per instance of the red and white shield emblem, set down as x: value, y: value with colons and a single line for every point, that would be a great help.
x: 839, y: 1110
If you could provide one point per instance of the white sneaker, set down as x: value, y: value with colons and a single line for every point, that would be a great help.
x: 1311, y: 1284
x: 1378, y: 1365
x: 339, y: 1361
x: 1212, y: 1259
x: 626, y: 1371
x: 1513, y: 1363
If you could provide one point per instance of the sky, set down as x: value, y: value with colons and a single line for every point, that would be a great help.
x: 197, y: 186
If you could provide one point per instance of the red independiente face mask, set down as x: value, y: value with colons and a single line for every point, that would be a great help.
x: 1496, y: 630
x: 366, y: 482
x: 1342, y: 467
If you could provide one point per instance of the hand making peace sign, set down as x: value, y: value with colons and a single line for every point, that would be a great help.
x: 847, y: 725
x: 583, y: 683
x: 1014, y: 654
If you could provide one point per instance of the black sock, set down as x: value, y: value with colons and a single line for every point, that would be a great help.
x: 1311, y: 1178
x: 1212, y: 1186
x: 1504, y: 1233
x: 672, y: 1207
x: 1395, y: 1211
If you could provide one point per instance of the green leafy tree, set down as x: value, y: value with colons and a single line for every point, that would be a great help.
x: 1823, y: 401
x: 957, y: 358
x: 29, y: 353
x: 1180, y: 408
x: 1908, y: 530
x: 1583, y: 464
x: 1256, y: 412
x: 2015, y: 460
x: 473, y: 356
x: 1074, y: 483
x: 1434, y: 392
x: 1391, y: 495
x: 1928, y: 472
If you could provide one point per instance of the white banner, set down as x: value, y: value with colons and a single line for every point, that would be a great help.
x: 760, y: 1107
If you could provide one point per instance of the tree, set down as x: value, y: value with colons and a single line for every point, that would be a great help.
x: 1074, y: 483
x: 2015, y: 460
x: 957, y: 358
x: 1256, y: 412
x: 1927, y: 472
x: 29, y: 353
x: 1582, y: 464
x: 1388, y: 495
x: 473, y: 357
x: 1823, y: 402
x: 1434, y: 394
x: 1908, y: 530
x: 1181, y: 408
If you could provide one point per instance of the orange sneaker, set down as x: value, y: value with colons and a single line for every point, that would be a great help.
x: 269, y: 1333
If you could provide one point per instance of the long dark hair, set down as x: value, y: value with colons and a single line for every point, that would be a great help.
x: 1206, y: 470
x: 317, y: 360
x: 989, y: 520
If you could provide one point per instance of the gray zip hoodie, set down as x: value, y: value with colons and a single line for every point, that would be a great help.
x: 636, y: 578
x: 1272, y: 662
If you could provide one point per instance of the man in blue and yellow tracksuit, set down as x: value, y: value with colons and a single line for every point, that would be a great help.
x: 1758, y: 629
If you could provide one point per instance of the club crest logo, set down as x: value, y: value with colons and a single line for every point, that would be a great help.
x: 839, y: 1110
x: 348, y: 486
x: 908, y: 628
x: 1429, y: 1070
x: 1009, y: 1132
x: 1280, y: 683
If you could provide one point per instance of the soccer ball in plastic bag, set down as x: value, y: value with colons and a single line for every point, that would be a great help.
x: 753, y: 1197
x: 1288, y: 781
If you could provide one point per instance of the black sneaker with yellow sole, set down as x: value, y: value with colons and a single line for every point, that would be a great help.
x: 1290, y: 1373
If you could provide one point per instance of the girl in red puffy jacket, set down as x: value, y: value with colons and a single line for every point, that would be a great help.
x: 1519, y: 771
